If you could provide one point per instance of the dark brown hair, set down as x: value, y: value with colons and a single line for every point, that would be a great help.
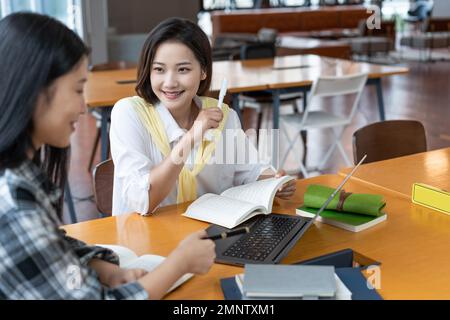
x: 43, y: 49
x: 179, y: 30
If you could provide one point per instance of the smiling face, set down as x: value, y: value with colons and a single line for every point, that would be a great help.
x: 175, y: 75
x: 59, y: 107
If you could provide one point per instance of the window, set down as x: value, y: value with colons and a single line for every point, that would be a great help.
x: 67, y: 11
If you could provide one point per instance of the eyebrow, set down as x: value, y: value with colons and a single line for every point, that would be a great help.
x: 178, y: 64
x: 82, y: 80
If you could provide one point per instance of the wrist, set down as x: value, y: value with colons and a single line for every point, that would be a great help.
x: 104, y: 269
x: 179, y: 262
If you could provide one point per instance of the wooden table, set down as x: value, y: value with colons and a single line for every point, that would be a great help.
x: 398, y: 175
x: 280, y: 73
x: 412, y: 244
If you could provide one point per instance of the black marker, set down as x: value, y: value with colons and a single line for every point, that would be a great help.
x: 224, y: 235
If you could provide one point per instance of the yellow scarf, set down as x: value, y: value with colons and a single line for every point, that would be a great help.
x: 187, y: 184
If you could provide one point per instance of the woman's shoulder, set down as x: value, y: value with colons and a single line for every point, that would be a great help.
x: 16, y: 192
x: 125, y: 108
x: 130, y: 103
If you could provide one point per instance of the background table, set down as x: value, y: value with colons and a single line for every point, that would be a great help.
x: 281, y: 73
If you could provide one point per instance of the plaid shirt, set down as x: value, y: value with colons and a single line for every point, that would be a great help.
x: 37, y: 259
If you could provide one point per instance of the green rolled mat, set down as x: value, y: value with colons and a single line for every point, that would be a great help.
x: 369, y: 204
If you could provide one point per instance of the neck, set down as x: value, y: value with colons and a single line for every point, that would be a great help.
x: 185, y: 117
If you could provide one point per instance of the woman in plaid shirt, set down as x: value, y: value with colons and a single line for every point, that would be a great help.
x: 43, y: 70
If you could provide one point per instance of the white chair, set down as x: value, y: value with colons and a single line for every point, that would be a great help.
x: 317, y: 119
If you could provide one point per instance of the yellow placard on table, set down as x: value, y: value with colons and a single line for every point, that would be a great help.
x: 431, y: 197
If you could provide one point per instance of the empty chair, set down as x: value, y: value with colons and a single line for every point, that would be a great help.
x: 103, y: 186
x: 388, y: 139
x: 114, y: 65
x: 318, y: 119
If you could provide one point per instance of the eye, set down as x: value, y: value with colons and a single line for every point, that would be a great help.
x: 158, y: 69
x: 184, y: 70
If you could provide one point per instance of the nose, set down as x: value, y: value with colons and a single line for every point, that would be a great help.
x: 83, y: 107
x: 170, y: 80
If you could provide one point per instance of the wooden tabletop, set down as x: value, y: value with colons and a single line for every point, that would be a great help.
x: 399, y: 174
x: 102, y: 88
x: 412, y: 244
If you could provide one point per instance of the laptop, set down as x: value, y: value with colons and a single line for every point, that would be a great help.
x: 271, y: 237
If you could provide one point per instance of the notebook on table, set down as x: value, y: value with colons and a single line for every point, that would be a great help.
x: 350, y: 283
x: 288, y: 281
x: 271, y: 236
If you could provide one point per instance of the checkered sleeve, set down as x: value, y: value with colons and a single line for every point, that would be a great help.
x: 86, y: 253
x: 39, y: 263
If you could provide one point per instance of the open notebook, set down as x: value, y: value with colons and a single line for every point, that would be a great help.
x: 237, y: 204
x: 130, y: 260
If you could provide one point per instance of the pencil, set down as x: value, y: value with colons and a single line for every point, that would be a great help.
x: 224, y: 235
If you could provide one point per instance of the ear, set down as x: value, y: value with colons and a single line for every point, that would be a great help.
x: 203, y: 75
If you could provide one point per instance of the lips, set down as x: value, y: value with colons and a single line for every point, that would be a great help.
x: 172, y: 95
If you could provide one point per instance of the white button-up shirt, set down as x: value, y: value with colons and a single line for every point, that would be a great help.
x: 135, y: 154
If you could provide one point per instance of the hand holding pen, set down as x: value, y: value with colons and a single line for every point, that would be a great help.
x: 223, y: 90
x: 228, y: 234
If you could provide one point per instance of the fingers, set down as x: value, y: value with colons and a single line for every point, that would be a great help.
x: 280, y: 173
x: 213, y: 113
x: 213, y: 123
x: 287, y: 190
x: 133, y: 275
x: 201, y: 234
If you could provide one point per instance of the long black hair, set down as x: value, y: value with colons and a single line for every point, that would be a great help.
x: 35, y: 50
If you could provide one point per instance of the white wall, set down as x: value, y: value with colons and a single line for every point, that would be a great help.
x: 441, y: 9
x: 95, y: 21
x: 140, y: 16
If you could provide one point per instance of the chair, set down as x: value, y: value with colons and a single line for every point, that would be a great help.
x: 115, y: 65
x: 316, y: 119
x: 388, y: 139
x: 259, y: 99
x: 103, y: 186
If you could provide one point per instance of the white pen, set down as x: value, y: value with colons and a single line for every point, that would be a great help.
x: 223, y: 91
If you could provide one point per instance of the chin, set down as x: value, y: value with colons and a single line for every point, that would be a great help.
x: 60, y: 144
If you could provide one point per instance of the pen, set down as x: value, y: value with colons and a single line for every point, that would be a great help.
x: 227, y: 234
x: 223, y: 91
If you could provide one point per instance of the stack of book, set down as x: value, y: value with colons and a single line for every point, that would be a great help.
x: 261, y: 281
x: 357, y: 211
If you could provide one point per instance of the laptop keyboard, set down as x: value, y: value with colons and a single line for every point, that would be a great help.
x: 263, y: 238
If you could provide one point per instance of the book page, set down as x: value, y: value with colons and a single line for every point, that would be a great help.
x: 125, y: 255
x: 221, y: 210
x: 260, y: 192
x: 149, y: 262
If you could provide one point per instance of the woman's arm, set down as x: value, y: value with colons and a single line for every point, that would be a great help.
x: 193, y: 255
x: 165, y: 174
